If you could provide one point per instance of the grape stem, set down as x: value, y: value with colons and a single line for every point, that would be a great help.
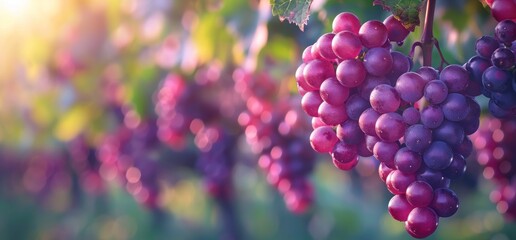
x: 428, y: 41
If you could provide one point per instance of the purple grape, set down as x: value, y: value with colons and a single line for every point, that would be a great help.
x: 346, y: 21
x: 349, y: 132
x: 351, y: 73
x: 485, y: 46
x: 396, y: 31
x: 399, y: 208
x: 418, y: 138
x: 455, y: 107
x: 311, y: 102
x: 445, y: 202
x: 346, y: 45
x: 317, y: 71
x: 344, y: 153
x: 400, y: 181
x: 332, y: 115
x: 505, y: 31
x: 355, y: 105
x: 505, y: 100
x: 432, y: 116
x: 496, y: 80
x: 465, y: 148
x: 362, y: 149
x: 456, y: 168
x: 384, y: 171
x: 411, y: 115
x: 307, y: 55
x: 476, y: 67
x: 384, y: 99
x: 438, y: 155
x: 385, y: 152
x: 324, y: 43
x: 373, y: 34
x: 455, y: 77
x: 407, y: 161
x: 300, y: 79
x: 323, y: 139
x: 378, y: 61
x: 370, y: 142
x: 497, y: 111
x: 421, y: 222
x: 449, y: 132
x: 436, y: 92
x: 420, y: 194
x: 333, y: 92
x: 428, y: 73
x: 433, y: 177
x: 390, y: 127
x: 503, y: 58
x: 400, y: 65
x: 410, y: 85
x: 367, y: 121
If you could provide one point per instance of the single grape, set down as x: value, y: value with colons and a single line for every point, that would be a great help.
x: 373, y: 34
x: 307, y: 55
x: 428, y: 73
x: 351, y: 73
x: 449, y: 132
x: 455, y: 107
x: 445, y: 202
x: 505, y: 100
x: 438, y: 155
x: 390, y: 127
x: 324, y: 43
x: 504, y: 10
x: 486, y: 45
x: 333, y: 92
x: 465, y: 148
x: 384, y: 98
x: 346, y: 21
x: 456, y: 168
x: 400, y: 180
x: 476, y: 66
x: 496, y: 80
x: 407, y: 161
x: 378, y: 61
x: 369, y: 84
x: 410, y: 85
x: 311, y: 102
x: 344, y: 153
x: 367, y: 121
x: 399, y: 208
x: 503, y: 58
x: 435, y: 92
x: 346, y: 45
x: 411, y: 115
x: 432, y: 116
x: 384, y: 171
x: 435, y: 178
x: 332, y: 115
x: 317, y: 71
x: 345, y: 166
x: 420, y: 194
x: 396, y: 31
x: 421, y: 222
x: 349, y: 132
x: 385, y: 152
x: 323, y: 139
x: 455, y: 77
x: 400, y: 65
x: 418, y: 138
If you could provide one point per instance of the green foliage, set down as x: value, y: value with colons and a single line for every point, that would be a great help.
x: 407, y: 11
x: 294, y: 11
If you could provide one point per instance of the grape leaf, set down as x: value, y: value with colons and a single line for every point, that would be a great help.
x: 295, y: 11
x: 407, y: 11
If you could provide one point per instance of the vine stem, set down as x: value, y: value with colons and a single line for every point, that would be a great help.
x: 427, y: 37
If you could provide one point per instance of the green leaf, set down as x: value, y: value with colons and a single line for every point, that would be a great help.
x: 295, y: 11
x: 407, y: 11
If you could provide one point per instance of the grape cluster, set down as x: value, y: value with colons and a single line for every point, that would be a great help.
x: 493, y: 69
x: 124, y: 157
x: 494, y: 143
x: 337, y: 76
x: 276, y: 132
x: 419, y: 130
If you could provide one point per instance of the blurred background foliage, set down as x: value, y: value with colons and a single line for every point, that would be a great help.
x: 66, y: 65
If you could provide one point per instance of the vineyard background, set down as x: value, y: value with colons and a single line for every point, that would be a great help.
x: 71, y: 72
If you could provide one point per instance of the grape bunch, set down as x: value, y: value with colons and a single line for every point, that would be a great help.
x: 124, y: 156
x: 493, y: 69
x: 337, y: 76
x: 494, y: 143
x: 419, y: 130
x: 275, y: 131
